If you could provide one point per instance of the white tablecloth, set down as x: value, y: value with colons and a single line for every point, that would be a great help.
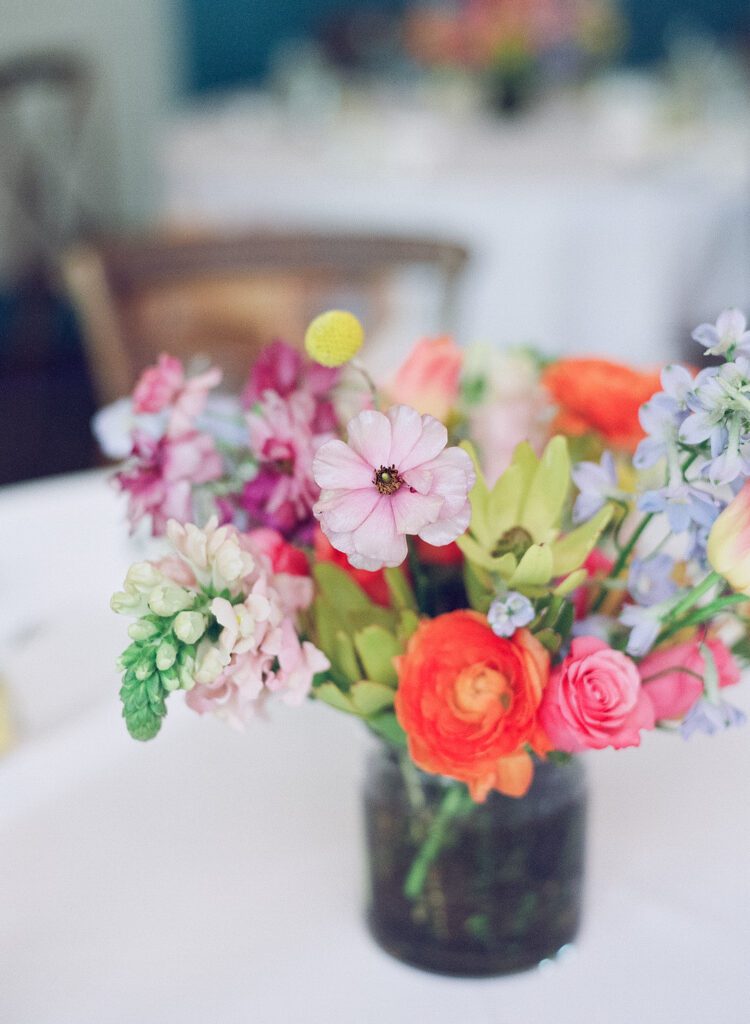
x: 216, y: 877
x: 595, y: 227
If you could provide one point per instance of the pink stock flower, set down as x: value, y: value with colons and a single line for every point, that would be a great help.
x: 158, y: 385
x: 673, y: 676
x: 428, y: 380
x: 394, y: 477
x: 283, y: 440
x: 288, y: 564
x: 594, y: 699
x: 166, y: 387
x: 160, y: 482
x: 283, y: 369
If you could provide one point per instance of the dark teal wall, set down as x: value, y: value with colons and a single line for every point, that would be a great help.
x: 230, y: 40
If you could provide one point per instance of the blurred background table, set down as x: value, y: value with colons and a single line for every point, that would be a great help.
x: 599, y: 222
x: 213, y: 876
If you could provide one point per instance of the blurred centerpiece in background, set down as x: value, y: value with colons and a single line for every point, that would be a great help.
x: 515, y: 47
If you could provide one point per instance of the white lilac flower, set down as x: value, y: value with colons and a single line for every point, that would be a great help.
x: 650, y: 580
x: 708, y: 717
x: 727, y: 337
x: 510, y: 612
x: 597, y: 484
x: 684, y: 506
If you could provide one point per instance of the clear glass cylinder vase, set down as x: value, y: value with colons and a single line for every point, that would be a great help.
x: 473, y: 889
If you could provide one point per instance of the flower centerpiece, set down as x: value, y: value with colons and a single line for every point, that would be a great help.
x: 495, y: 562
x: 515, y: 46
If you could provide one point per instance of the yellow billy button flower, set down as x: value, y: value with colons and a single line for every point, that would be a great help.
x: 729, y: 542
x: 333, y: 338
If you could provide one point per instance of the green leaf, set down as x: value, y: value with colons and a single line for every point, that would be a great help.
x: 502, y: 565
x: 569, y: 584
x: 401, y: 593
x: 407, y: 625
x: 545, y: 500
x: 386, y: 726
x: 549, y: 639
x: 369, y: 698
x: 534, y: 569
x: 344, y: 656
x: 377, y: 648
x: 504, y: 507
x: 572, y: 550
x: 525, y: 458
x: 480, y: 590
x: 329, y: 693
x: 339, y: 588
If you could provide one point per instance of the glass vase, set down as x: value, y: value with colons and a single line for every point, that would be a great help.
x: 473, y: 889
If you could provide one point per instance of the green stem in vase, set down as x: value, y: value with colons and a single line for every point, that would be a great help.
x: 701, y: 614
x: 623, y: 558
x: 693, y: 596
x: 450, y: 805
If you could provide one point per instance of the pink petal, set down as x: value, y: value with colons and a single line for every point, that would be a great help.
x: 453, y: 477
x: 344, y: 511
x: 370, y: 437
x: 378, y: 538
x: 447, y: 529
x: 406, y: 430
x: 336, y: 466
x: 433, y: 439
x: 420, y: 479
x: 413, y: 511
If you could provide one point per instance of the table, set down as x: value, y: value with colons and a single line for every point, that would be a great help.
x: 595, y: 224
x: 215, y: 876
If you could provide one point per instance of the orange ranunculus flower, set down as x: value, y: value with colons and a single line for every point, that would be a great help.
x: 467, y: 701
x: 601, y: 396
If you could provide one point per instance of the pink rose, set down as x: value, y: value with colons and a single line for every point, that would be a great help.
x: 673, y: 676
x: 428, y: 380
x: 159, y: 385
x: 594, y: 699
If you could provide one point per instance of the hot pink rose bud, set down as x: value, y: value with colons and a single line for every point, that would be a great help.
x: 729, y: 542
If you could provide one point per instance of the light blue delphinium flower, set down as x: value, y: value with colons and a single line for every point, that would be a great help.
x: 645, y: 626
x: 725, y: 338
x: 662, y: 416
x: 597, y: 484
x: 708, y: 717
x: 650, y: 580
x: 684, y: 506
x: 510, y: 612
x: 720, y: 417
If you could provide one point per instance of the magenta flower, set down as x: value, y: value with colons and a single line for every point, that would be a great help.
x: 160, y: 482
x: 284, y: 441
x: 394, y: 477
x: 283, y: 369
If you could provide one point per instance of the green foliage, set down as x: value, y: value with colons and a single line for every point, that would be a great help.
x: 361, y: 641
x: 143, y: 704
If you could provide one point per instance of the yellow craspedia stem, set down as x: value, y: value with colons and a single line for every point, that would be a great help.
x: 333, y: 338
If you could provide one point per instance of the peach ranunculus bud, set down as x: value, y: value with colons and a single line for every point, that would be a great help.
x: 429, y: 379
x: 729, y: 542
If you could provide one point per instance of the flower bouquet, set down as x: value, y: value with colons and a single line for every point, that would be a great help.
x: 495, y: 562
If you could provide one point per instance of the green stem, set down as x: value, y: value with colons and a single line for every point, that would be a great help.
x: 693, y: 596
x: 449, y: 807
x: 700, y: 615
x: 622, y: 558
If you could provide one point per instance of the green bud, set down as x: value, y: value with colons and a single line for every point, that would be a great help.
x: 144, y: 669
x: 189, y: 627
x: 165, y: 655
x: 185, y: 673
x: 142, y: 630
x: 170, y: 680
x: 167, y: 599
x: 143, y: 577
x: 126, y: 602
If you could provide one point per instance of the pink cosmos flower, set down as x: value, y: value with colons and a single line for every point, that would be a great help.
x: 394, y: 477
x: 672, y: 676
x: 594, y: 699
x: 160, y: 482
x: 283, y: 439
x: 283, y: 369
x: 428, y: 380
x: 165, y: 386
